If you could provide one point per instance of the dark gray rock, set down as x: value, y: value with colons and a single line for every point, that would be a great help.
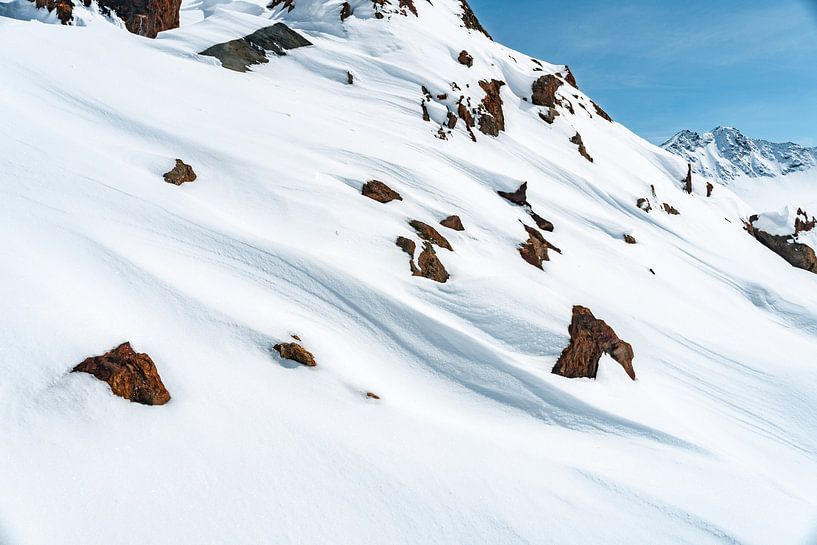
x: 240, y: 54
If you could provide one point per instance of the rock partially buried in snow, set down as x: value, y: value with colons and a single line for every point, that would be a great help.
x: 430, y: 265
x: 296, y: 352
x: 577, y: 139
x: 143, y: 17
x: 796, y: 254
x: 130, y: 375
x: 453, y: 222
x: 465, y: 59
x: 180, y: 174
x: 492, y: 117
x: 535, y: 249
x: 541, y: 222
x: 469, y: 19
x: 544, y: 91
x: 519, y: 197
x: 589, y: 339
x: 380, y: 192
x: 244, y: 52
x: 430, y: 234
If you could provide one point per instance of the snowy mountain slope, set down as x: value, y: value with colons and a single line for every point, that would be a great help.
x: 474, y: 440
x: 725, y: 154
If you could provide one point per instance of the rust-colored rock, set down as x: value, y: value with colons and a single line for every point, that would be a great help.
x: 550, y: 116
x: 409, y: 5
x: 372, y: 395
x: 345, y: 11
x: 64, y: 9
x: 409, y: 247
x: 582, y: 150
x: 466, y: 59
x: 492, y: 119
x: 430, y: 234
x: 430, y: 265
x: 145, y: 17
x: 424, y: 108
x: 535, y: 249
x: 180, y: 174
x: 520, y: 196
x: 602, y: 113
x: 289, y: 5
x: 380, y: 192
x: 297, y: 353
x: 669, y: 209
x: 544, y: 90
x: 130, y: 375
x: 644, y: 204
x: 629, y: 239
x: 469, y: 19
x: 570, y: 78
x: 709, y: 189
x: 589, y: 339
x: 796, y: 254
x: 803, y: 225
x: 453, y: 222
x: 688, y: 180
x: 541, y: 222
x: 451, y: 120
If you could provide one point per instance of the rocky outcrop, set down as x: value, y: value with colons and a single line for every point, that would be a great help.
x: 796, y: 254
x: 453, y: 222
x: 803, y: 225
x: 64, y: 9
x: 288, y: 5
x: 252, y: 49
x: 519, y: 197
x: 130, y: 375
x: 380, y: 192
x: 408, y: 5
x: 589, y: 339
x: 296, y: 352
x: 570, y: 78
x: 143, y: 17
x: 582, y: 150
x: 410, y: 247
x: 550, y: 116
x: 430, y: 266
x: 602, y: 113
x: 345, y: 11
x: 688, y: 180
x: 644, y: 204
x: 492, y: 118
x: 466, y: 59
x: 541, y: 222
x: 469, y: 19
x: 180, y: 174
x: 544, y: 91
x: 669, y: 209
x: 430, y: 234
x: 535, y: 249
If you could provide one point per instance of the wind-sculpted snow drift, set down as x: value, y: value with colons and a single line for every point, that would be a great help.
x: 472, y: 439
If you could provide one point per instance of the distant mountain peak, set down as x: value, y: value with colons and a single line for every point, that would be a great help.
x: 725, y: 153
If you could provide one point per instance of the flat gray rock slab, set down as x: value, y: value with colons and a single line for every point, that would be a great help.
x: 252, y: 49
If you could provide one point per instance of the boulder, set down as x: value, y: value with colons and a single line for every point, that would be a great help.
x: 535, y: 249
x: 644, y: 204
x: 430, y: 265
x: 143, y: 17
x: 252, y: 49
x: 796, y: 254
x: 180, y: 174
x: 520, y: 196
x: 492, y: 118
x: 629, y: 239
x: 669, y: 209
x: 589, y: 339
x: 466, y: 59
x: 453, y: 222
x: 430, y: 234
x: 409, y: 247
x: 380, y: 192
x: 297, y: 353
x: 130, y: 375
x: 544, y: 91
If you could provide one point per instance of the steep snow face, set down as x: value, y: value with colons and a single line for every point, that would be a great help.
x: 473, y: 440
x: 725, y: 154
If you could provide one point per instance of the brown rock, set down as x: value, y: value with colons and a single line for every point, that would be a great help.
x: 409, y: 247
x: 520, y: 196
x: 430, y: 234
x: 550, y: 116
x: 644, y: 204
x: 629, y: 239
x: 470, y: 20
x: 345, y: 11
x: 541, y: 222
x: 296, y: 352
x: 350, y: 78
x: 181, y: 173
x: 709, y: 189
x: 601, y: 112
x: 796, y: 254
x: 380, y: 192
x: 535, y: 249
x: 130, y: 375
x: 589, y: 339
x: 408, y: 4
x: 688, y: 180
x: 64, y: 8
x: 582, y: 150
x: 669, y: 209
x: 426, y: 117
x: 453, y: 222
x: 372, y: 395
x: 430, y: 265
x: 466, y: 59
x: 145, y: 17
x: 803, y: 225
x: 544, y: 90
x: 492, y: 120
x: 451, y: 120
x: 570, y: 78
x: 289, y: 5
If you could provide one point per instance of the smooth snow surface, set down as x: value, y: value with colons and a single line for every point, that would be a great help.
x: 474, y: 440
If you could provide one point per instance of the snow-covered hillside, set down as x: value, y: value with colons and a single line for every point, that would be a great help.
x: 472, y: 439
x: 725, y: 154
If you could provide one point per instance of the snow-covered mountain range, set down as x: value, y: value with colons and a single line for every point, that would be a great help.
x: 725, y: 154
x: 357, y: 249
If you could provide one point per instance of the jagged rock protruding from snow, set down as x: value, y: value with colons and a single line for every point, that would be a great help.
x: 180, y: 174
x: 346, y: 11
x: 244, y: 52
x: 544, y: 91
x: 535, y: 249
x: 570, y: 78
x: 644, y: 204
x: 143, y: 17
x: 64, y: 9
x: 725, y: 154
x: 550, y: 116
x: 629, y: 239
x: 541, y: 222
x: 469, y: 19
x: 466, y: 59
x: 453, y: 222
x: 380, y: 192
x: 130, y: 375
x: 688, y: 180
x: 410, y: 247
x: 520, y: 196
x: 492, y: 118
x: 709, y: 189
x: 430, y: 265
x: 799, y: 255
x: 601, y: 112
x: 803, y: 225
x: 430, y: 234
x: 582, y: 150
x: 288, y: 5
x: 296, y: 352
x: 589, y: 339
x: 669, y: 209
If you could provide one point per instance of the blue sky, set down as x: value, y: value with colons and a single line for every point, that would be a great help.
x: 659, y: 66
